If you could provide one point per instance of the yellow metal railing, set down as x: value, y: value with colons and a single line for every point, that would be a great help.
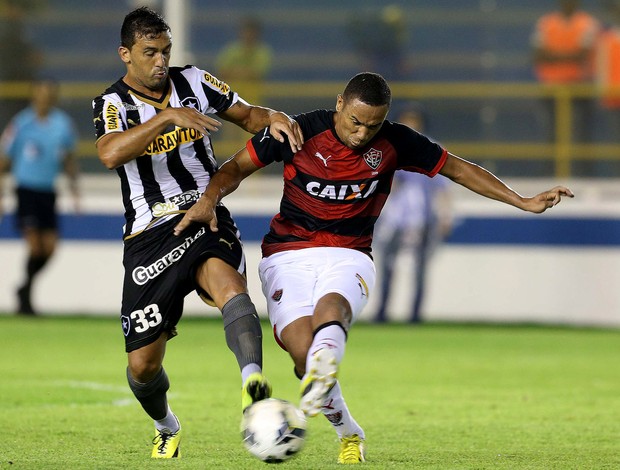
x: 562, y: 151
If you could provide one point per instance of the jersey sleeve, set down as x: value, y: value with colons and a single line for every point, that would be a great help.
x: 415, y: 151
x: 219, y: 94
x: 108, y: 115
x: 264, y: 149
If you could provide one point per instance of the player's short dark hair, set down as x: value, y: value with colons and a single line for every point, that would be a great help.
x: 370, y: 88
x: 142, y: 22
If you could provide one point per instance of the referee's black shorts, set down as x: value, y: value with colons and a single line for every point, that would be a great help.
x: 36, y: 209
x: 160, y: 271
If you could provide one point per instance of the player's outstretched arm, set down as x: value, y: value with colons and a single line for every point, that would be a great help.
x: 485, y: 183
x: 255, y: 118
x: 224, y: 182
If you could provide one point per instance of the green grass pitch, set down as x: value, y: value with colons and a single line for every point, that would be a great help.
x: 437, y: 396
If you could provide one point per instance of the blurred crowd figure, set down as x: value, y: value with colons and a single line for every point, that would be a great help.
x: 380, y: 38
x: 36, y: 146
x: 564, y: 46
x: 415, y: 219
x: 608, y: 65
x: 246, y: 61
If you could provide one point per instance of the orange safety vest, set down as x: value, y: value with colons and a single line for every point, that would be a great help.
x: 556, y: 33
x: 608, y: 66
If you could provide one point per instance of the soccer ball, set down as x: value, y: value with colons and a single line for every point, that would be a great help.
x: 273, y: 430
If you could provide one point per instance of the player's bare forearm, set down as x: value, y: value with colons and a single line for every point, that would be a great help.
x: 255, y: 118
x: 485, y: 183
x: 479, y: 180
x: 203, y: 211
x: 225, y: 181
x: 118, y: 148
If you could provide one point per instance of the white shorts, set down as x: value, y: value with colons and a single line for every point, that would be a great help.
x: 294, y: 281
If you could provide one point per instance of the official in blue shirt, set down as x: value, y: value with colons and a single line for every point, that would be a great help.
x: 37, y: 145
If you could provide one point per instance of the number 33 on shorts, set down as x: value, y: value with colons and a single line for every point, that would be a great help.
x: 142, y: 320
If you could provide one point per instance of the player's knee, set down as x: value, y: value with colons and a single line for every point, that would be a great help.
x: 330, y: 308
x: 144, y: 371
x: 158, y: 384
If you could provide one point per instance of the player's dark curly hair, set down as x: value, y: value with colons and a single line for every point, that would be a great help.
x: 142, y: 22
x: 370, y: 88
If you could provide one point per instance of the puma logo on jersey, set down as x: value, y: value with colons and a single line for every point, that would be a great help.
x: 226, y: 242
x: 322, y: 158
x: 341, y: 192
x: 265, y: 135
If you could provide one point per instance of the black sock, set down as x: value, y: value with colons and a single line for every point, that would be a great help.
x: 33, y: 266
x: 152, y: 395
x: 244, y: 335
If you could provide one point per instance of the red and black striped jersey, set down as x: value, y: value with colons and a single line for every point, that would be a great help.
x: 333, y: 194
x: 176, y: 167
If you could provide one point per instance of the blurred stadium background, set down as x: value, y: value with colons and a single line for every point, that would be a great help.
x: 469, y: 62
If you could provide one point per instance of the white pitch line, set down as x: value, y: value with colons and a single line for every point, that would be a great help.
x: 101, y: 387
x: 127, y: 400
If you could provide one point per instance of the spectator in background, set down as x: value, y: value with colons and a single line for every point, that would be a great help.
x: 37, y: 143
x: 244, y: 63
x: 247, y: 60
x: 608, y: 66
x: 381, y: 39
x: 564, y: 45
x: 416, y: 217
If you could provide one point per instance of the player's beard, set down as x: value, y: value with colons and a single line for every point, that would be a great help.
x: 159, y: 85
x: 158, y: 82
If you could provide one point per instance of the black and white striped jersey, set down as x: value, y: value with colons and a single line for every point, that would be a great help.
x: 176, y: 167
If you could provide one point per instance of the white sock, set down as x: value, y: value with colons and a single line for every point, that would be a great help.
x: 332, y: 337
x: 337, y: 413
x: 249, y: 370
x: 170, y: 422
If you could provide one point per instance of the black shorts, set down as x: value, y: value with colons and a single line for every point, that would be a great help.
x: 36, y: 209
x: 160, y: 271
